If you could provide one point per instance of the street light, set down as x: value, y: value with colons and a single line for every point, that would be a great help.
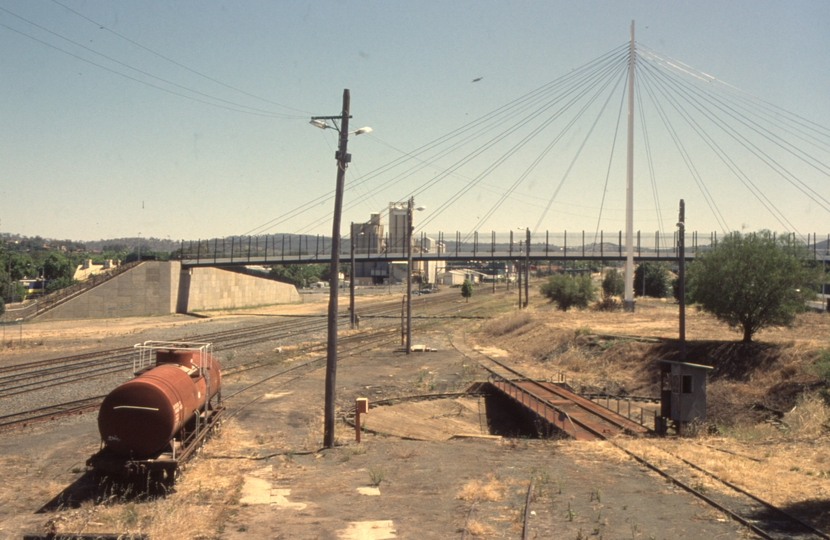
x: 343, y: 158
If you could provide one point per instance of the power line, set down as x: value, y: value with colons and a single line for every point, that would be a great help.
x: 174, y: 62
x: 251, y: 110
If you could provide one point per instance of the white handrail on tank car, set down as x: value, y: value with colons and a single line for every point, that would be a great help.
x: 145, y: 353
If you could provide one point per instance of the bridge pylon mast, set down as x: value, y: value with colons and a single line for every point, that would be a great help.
x: 628, y: 303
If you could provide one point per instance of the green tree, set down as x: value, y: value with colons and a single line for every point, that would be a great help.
x: 300, y: 274
x: 2, y: 306
x: 60, y: 283
x: 613, y: 284
x: 569, y: 291
x: 21, y: 266
x: 57, y: 266
x: 467, y: 289
x: 753, y: 281
x: 656, y: 276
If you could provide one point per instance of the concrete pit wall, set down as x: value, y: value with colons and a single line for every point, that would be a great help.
x: 162, y: 288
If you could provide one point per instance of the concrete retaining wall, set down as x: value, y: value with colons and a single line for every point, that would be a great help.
x: 161, y: 288
x: 214, y: 288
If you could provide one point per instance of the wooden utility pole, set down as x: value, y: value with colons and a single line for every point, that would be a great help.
x: 343, y: 159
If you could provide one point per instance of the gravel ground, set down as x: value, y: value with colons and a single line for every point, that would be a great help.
x: 425, y: 489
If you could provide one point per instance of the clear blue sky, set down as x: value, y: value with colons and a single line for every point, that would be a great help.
x: 86, y: 153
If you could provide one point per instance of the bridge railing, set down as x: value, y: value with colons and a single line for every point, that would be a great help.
x: 292, y: 248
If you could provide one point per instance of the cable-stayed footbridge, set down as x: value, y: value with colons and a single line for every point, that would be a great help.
x: 555, y: 247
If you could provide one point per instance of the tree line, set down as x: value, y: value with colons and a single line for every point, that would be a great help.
x: 748, y: 281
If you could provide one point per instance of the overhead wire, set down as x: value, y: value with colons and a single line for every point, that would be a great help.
x: 242, y: 108
x: 174, y: 62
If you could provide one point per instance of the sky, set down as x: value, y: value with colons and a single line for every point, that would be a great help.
x: 188, y: 120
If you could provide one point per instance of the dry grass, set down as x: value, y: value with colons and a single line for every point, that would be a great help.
x: 810, y: 418
x: 477, y: 528
x: 491, y: 490
x: 205, y: 494
x: 786, y: 465
x: 508, y: 323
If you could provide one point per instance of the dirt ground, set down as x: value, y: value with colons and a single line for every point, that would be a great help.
x: 425, y: 468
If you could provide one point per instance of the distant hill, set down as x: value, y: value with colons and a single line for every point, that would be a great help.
x: 125, y: 244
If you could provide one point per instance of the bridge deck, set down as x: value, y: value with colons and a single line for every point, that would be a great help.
x: 576, y: 416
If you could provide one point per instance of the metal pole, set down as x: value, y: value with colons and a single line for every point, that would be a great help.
x: 519, y: 264
x: 509, y: 262
x: 681, y: 246
x: 343, y: 159
x: 492, y: 254
x: 409, y: 275
x: 628, y: 303
x: 351, y: 281
x: 527, y: 265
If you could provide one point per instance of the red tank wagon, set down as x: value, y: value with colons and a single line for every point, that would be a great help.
x: 151, y: 423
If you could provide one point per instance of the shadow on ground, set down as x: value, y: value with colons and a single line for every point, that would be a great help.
x: 98, y: 489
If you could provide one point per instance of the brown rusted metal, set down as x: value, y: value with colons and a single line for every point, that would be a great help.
x: 139, y: 417
x: 576, y: 416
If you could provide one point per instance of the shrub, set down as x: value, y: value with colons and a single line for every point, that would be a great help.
x: 567, y: 291
x: 467, y: 289
x: 651, y: 279
x: 613, y: 284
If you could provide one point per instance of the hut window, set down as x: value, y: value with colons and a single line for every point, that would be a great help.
x: 687, y: 384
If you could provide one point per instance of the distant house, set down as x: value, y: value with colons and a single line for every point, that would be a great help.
x: 88, y: 268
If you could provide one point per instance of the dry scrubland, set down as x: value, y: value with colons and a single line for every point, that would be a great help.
x: 764, y: 403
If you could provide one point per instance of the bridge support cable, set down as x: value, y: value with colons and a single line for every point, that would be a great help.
x: 687, y: 160
x: 608, y: 170
x: 576, y: 94
x: 524, y: 101
x: 751, y: 109
x: 726, y: 159
x: 575, y: 158
x: 547, y: 150
x: 649, y: 160
x: 705, y: 102
x: 588, y: 80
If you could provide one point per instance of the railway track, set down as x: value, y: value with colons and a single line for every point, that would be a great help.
x: 62, y: 371
x: 30, y: 377
x: 582, y: 415
x: 50, y: 412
